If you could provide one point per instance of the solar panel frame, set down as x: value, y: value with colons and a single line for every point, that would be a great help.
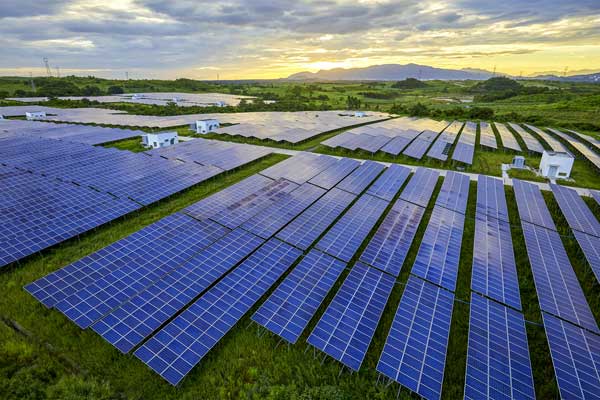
x: 330, y: 177
x: 590, y: 245
x: 491, y: 199
x: 420, y: 187
x: 389, y: 183
x: 576, y: 212
x: 531, y: 204
x: 454, y: 192
x: 361, y: 177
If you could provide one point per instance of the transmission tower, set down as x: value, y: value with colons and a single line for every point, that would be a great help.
x: 32, y: 83
x: 58, y: 72
x: 48, y: 72
x: 126, y: 75
x: 565, y: 71
x: 494, y: 74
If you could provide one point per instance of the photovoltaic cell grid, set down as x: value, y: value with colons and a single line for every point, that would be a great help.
x: 179, y: 346
x: 590, y: 139
x: 465, y: 147
x: 441, y: 147
x: 414, y: 354
x: 531, y: 204
x: 588, y: 153
x: 577, y: 213
x: 345, y: 330
x: 289, y: 309
x: 396, y: 145
x: 361, y: 177
x: 531, y: 142
x: 90, y: 303
x: 307, y: 228
x: 494, y: 272
x: 508, y: 139
x: 389, y: 183
x: 556, y: 284
x: 419, y: 146
x: 242, y: 210
x: 498, y: 363
x: 346, y: 236
x: 439, y: 253
x: 555, y: 144
x: 299, y: 169
x: 490, y: 197
x: 128, y: 325
x: 420, y: 187
x: 146, y: 245
x: 596, y: 195
x: 334, y: 174
x: 575, y: 355
x: 388, y: 248
x: 591, y: 249
x: 266, y: 223
x: 454, y: 192
x: 487, y: 137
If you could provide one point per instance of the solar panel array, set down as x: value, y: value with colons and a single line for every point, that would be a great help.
x: 454, y: 192
x: 554, y: 144
x: 577, y: 213
x: 347, y: 326
x: 346, y: 236
x: 361, y: 177
x: 590, y: 139
x: 420, y: 187
x: 465, y: 147
x: 300, y: 168
x: 596, y: 195
x: 531, y: 142
x: 531, y: 204
x: 389, y: 183
x: 590, y: 245
x: 414, y: 354
x: 441, y: 147
x: 587, y: 153
x: 397, y: 144
x: 418, y: 147
x: 487, y: 137
x: 292, y: 305
x: 331, y: 176
x: 498, y: 363
x: 508, y: 139
x: 490, y: 197
x: 181, y: 344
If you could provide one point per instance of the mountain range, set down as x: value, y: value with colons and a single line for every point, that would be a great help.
x: 396, y: 72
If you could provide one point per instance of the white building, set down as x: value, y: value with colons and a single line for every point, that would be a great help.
x: 159, y: 139
x: 207, y: 125
x: 221, y: 103
x: 30, y: 116
x: 360, y: 114
x: 556, y: 164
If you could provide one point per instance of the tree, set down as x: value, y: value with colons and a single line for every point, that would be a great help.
x: 419, y: 110
x: 352, y: 103
x: 115, y: 90
x: 409, y: 83
x: 91, y: 91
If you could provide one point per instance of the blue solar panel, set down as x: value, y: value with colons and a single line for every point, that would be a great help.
x: 490, y: 197
x: 134, y: 320
x: 494, y: 268
x: 346, y: 236
x: 216, y: 203
x: 596, y: 195
x: 266, y: 223
x: 439, y: 254
x: 577, y: 213
x: 300, y: 168
x: 414, y: 354
x: 531, y: 204
x: 463, y: 152
x: 373, y: 143
x: 242, y: 210
x: 289, y: 309
x: 390, y: 182
x: 454, y: 192
x: 390, y: 244
x: 180, y: 345
x: 591, y: 249
x: 304, y: 230
x: 420, y: 187
x: 149, y: 245
x: 396, y: 145
x: 498, y: 363
x: 417, y: 148
x: 361, y: 177
x: 557, y: 286
x: 347, y: 326
x: 334, y: 174
x: 576, y: 358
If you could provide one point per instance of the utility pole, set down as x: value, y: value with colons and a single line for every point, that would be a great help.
x: 32, y: 83
x: 126, y: 75
x: 48, y: 72
x: 565, y: 71
x: 494, y: 74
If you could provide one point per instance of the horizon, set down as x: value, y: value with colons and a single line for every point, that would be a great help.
x: 243, y: 40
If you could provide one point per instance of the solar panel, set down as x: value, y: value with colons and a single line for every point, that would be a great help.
x: 373, y: 143
x: 531, y: 142
x: 439, y: 254
x: 300, y: 168
x: 577, y: 213
x: 596, y: 195
x: 417, y: 148
x: 490, y: 197
x: 494, y: 271
x: 454, y: 192
x: 588, y: 153
x: 390, y: 244
x: 334, y: 174
x: 414, y: 354
x: 242, y: 210
x: 180, y: 345
x: 155, y: 244
x: 308, y: 227
x: 266, y: 223
x: 487, y: 137
x: 441, y: 147
x: 289, y: 309
x: 508, y: 139
x: 555, y: 144
x: 464, y: 152
x: 420, y: 188
x: 347, y: 326
x: 591, y: 249
x: 346, y: 236
x: 576, y: 358
x: 389, y: 183
x: 361, y: 177
x: 557, y: 286
x: 127, y: 325
x: 175, y: 284
x: 498, y: 363
x: 396, y: 145
x: 531, y: 204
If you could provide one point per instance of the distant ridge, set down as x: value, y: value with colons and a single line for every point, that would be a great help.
x: 589, y: 78
x: 393, y: 72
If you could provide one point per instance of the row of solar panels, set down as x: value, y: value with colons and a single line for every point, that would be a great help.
x: 269, y: 220
x: 74, y: 133
x: 52, y: 190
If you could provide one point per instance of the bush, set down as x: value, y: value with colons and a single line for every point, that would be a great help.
x: 115, y: 90
x: 409, y: 83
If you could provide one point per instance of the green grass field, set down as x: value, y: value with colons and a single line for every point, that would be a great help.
x: 45, y: 356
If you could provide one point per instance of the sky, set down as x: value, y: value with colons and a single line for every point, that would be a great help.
x: 256, y: 39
